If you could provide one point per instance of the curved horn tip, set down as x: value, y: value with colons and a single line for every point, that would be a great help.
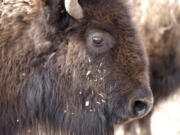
x: 74, y: 9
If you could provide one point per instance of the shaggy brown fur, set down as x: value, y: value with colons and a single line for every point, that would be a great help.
x: 53, y: 80
x: 160, y: 28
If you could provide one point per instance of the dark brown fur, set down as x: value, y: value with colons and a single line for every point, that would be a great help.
x: 48, y: 73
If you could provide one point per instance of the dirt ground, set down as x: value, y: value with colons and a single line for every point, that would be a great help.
x: 166, y: 119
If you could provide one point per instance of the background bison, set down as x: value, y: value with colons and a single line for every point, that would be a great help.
x: 70, y: 67
x: 159, y: 24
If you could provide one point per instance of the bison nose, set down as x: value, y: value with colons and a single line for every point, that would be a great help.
x: 140, y: 107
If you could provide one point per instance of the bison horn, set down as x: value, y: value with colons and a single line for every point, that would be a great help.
x: 74, y: 9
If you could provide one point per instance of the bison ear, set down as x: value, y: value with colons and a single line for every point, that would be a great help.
x: 58, y: 15
x: 52, y: 4
x: 62, y: 10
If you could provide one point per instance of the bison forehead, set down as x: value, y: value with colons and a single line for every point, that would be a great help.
x: 106, y: 11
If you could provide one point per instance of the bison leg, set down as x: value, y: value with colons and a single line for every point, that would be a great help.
x: 130, y: 128
x: 145, y: 125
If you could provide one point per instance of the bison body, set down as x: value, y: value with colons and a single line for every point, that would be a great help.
x: 69, y: 74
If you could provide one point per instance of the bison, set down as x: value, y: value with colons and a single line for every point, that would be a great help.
x: 71, y: 67
x: 160, y: 29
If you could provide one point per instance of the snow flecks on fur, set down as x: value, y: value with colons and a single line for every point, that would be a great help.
x: 87, y: 103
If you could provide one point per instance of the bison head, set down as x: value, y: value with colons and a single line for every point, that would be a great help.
x: 86, y: 69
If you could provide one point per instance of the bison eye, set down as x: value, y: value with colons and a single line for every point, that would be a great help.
x: 99, y: 41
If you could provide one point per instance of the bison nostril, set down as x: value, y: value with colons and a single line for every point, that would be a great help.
x: 140, y: 108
